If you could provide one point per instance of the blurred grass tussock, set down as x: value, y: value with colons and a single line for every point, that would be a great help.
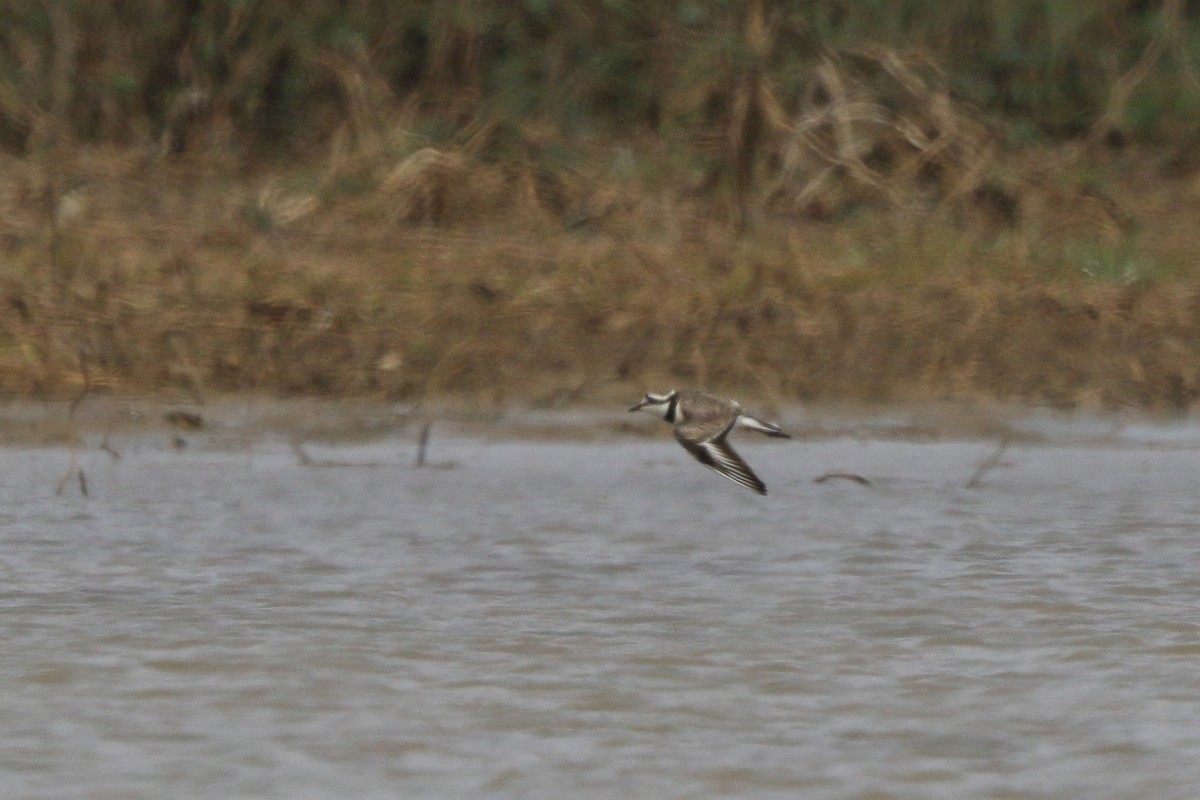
x: 558, y: 202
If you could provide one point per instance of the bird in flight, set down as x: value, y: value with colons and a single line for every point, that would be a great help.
x: 702, y: 422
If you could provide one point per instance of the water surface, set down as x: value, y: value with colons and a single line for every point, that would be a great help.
x: 594, y: 618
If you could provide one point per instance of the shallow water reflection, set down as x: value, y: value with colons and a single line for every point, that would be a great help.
x: 570, y: 619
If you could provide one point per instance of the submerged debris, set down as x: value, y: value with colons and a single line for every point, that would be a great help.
x: 847, y: 476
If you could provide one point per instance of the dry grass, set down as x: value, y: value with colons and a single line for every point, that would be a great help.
x: 786, y: 208
x: 440, y: 274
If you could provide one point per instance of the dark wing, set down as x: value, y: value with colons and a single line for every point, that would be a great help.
x: 718, y: 455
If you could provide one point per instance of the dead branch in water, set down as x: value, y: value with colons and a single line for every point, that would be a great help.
x: 423, y: 448
x: 72, y: 466
x: 847, y: 476
x: 988, y: 464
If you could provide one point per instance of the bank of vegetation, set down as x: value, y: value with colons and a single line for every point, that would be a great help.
x: 566, y: 202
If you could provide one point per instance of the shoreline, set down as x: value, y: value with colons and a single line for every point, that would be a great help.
x: 235, y: 422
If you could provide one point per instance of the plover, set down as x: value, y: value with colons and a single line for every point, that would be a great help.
x: 701, y: 424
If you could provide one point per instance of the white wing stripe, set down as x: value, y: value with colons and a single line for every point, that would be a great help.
x: 727, y: 462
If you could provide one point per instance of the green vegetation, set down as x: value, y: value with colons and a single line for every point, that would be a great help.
x: 516, y: 201
x: 287, y: 75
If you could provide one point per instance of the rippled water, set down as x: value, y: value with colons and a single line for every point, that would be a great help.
x: 601, y: 618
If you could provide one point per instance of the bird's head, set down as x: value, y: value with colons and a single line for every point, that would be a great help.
x: 663, y: 404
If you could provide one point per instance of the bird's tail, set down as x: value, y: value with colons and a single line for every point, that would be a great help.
x: 768, y: 428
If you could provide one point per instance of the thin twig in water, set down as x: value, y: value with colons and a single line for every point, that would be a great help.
x: 987, y: 464
x: 422, y: 443
x: 62, y: 482
x: 301, y: 454
x: 87, y: 385
x: 305, y: 460
x: 82, y: 483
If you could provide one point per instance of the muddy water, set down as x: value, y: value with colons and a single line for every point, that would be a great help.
x: 603, y: 618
